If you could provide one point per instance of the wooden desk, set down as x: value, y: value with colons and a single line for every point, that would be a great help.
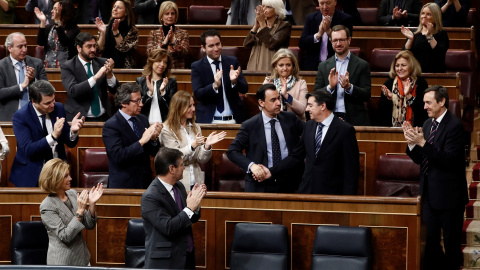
x: 394, y: 223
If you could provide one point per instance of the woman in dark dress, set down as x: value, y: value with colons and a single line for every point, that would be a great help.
x: 58, y: 39
x: 430, y: 42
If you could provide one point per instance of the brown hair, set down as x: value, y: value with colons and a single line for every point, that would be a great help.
x: 52, y: 175
x: 178, y: 107
x: 128, y: 11
x: 166, y: 6
x: 155, y: 56
x: 413, y: 65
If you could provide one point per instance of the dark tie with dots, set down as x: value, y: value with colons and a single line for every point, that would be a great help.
x: 318, y: 138
x: 135, y: 127
x: 276, y: 152
x: 178, y: 201
x: 430, y: 140
x: 220, y: 105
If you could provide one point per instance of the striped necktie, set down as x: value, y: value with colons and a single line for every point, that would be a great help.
x: 430, y: 140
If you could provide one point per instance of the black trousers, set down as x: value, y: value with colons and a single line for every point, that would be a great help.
x: 190, y: 261
x: 451, y: 222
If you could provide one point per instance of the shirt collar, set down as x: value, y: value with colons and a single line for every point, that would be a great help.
x: 165, y: 184
x: 210, y: 60
x: 126, y: 116
x: 83, y: 61
x: 266, y: 119
x: 328, y: 121
x: 440, y: 118
x: 347, y: 58
x: 14, y: 61
x: 36, y: 111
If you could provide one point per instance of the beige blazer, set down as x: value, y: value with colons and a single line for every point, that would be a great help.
x: 66, y: 244
x: 200, y: 155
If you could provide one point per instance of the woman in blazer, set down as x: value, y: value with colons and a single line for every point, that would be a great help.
x: 157, y: 86
x: 65, y: 215
x: 291, y: 87
x: 181, y: 132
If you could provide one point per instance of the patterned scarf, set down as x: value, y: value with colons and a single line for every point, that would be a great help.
x: 402, y: 110
x: 291, y: 80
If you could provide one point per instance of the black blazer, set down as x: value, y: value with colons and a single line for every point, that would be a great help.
x: 310, y: 49
x: 163, y: 101
x: 359, y: 71
x: 128, y: 161
x: 84, y: 9
x: 79, y: 93
x: 445, y: 187
x: 385, y: 13
x: 336, y: 168
x: 166, y: 227
x: 202, y: 81
x: 251, y: 138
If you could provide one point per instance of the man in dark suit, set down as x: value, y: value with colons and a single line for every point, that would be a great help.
x: 147, y: 11
x: 314, y: 41
x: 44, y: 6
x: 17, y: 72
x: 168, y: 214
x: 130, y: 141
x: 398, y: 13
x: 258, y: 140
x: 297, y: 10
x: 87, y: 14
x: 87, y: 78
x: 347, y: 77
x: 439, y: 148
x: 330, y: 150
x: 41, y: 131
x: 216, y: 81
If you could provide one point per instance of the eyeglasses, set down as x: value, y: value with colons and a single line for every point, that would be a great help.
x: 138, y: 101
x: 340, y: 40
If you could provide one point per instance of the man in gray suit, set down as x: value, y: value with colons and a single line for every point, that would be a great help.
x: 86, y: 78
x: 17, y: 72
x: 168, y: 213
x: 347, y: 78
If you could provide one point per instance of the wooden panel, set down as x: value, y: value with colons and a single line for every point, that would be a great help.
x: 5, y: 235
x: 111, y: 233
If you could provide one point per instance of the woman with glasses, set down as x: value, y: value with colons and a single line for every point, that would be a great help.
x: 181, y: 132
x: 269, y: 33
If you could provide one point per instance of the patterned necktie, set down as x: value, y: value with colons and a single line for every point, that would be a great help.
x: 430, y: 140
x: 220, y: 105
x: 276, y: 152
x: 178, y: 201
x: 21, y: 78
x: 95, y: 103
x: 48, y: 154
x: 324, y: 47
x: 135, y: 127
x: 318, y: 138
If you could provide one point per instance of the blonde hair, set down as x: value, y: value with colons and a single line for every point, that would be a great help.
x: 166, y: 6
x: 413, y: 65
x: 155, y: 56
x: 436, y: 16
x: 178, y: 107
x: 53, y: 174
x: 278, y: 5
x: 284, y: 53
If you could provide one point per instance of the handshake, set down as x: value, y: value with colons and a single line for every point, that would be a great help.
x: 260, y: 172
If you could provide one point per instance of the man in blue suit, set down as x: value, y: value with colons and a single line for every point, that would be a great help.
x: 41, y: 132
x: 216, y: 81
x: 314, y: 39
x: 130, y: 141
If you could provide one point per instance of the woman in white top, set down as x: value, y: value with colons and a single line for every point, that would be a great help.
x: 181, y: 132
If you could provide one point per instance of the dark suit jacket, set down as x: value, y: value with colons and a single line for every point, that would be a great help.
x: 251, y: 138
x: 163, y: 101
x: 385, y: 13
x: 445, y: 187
x: 166, y: 228
x: 66, y: 36
x: 84, y: 10
x: 32, y: 144
x: 41, y: 4
x: 335, y: 170
x: 452, y: 18
x: 300, y: 10
x: 359, y: 71
x: 310, y: 49
x: 147, y: 11
x: 79, y: 93
x: 202, y: 81
x: 9, y: 90
x: 128, y: 161
x: 350, y: 7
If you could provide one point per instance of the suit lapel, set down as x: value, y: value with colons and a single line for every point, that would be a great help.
x: 441, y: 126
x: 165, y: 193
x: 126, y: 126
x: 328, y: 138
x: 261, y: 134
x: 309, y: 137
x: 352, y: 65
x: 285, y: 127
x: 33, y: 116
x: 80, y: 69
x: 11, y: 70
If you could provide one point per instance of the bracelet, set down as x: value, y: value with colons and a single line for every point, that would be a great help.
x: 253, y: 33
x: 116, y: 35
x: 430, y: 38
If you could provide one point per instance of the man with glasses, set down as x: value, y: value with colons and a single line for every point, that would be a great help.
x: 86, y: 78
x: 130, y: 141
x: 41, y: 132
x: 347, y: 78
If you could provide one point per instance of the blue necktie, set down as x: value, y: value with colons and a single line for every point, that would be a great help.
x: 95, y: 103
x: 135, y: 127
x: 21, y: 78
x: 318, y: 138
x: 220, y: 105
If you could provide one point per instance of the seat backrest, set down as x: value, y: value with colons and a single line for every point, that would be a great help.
x: 369, y: 16
x: 135, y: 244
x: 229, y: 176
x: 3, y: 52
x: 463, y: 61
x: 454, y: 107
x: 23, y: 249
x: 95, y: 167
x: 397, y: 175
x: 472, y: 17
x: 207, y: 15
x: 381, y: 59
x: 259, y: 246
x: 338, y: 247
x: 40, y: 52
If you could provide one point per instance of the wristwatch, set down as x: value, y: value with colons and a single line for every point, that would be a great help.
x: 78, y: 215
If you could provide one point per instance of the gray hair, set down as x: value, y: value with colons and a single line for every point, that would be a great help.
x: 124, y: 92
x: 9, y: 39
x: 39, y: 89
x: 278, y: 5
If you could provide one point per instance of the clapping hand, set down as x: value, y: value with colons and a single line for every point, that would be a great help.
x: 214, y: 138
x: 407, y: 32
x: 194, y: 198
x: 387, y: 93
x: 100, y: 25
x: 234, y: 73
x: 40, y: 16
x: 77, y: 123
x: 169, y: 37
x: 344, y: 80
x: 217, y: 79
x: 333, y: 78
x: 82, y: 201
x: 95, y: 193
